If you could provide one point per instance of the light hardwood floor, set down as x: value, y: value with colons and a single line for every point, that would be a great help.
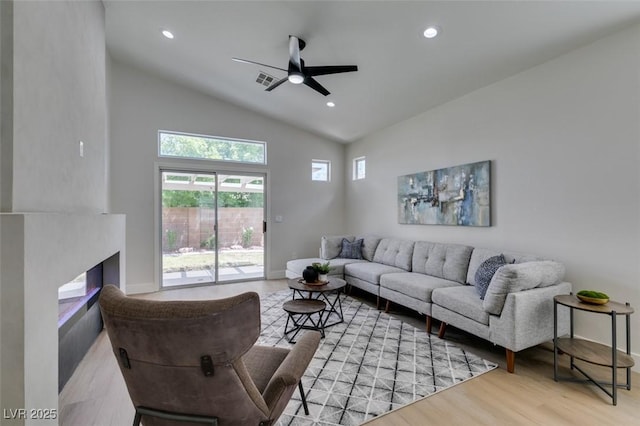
x: 96, y: 393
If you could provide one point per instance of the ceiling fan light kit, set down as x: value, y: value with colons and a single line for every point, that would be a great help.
x: 296, y: 78
x: 298, y: 72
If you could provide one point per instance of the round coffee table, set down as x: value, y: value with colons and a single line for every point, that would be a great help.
x: 301, y: 312
x: 329, y: 293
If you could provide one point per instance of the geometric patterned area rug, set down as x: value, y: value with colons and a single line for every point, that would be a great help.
x: 368, y: 365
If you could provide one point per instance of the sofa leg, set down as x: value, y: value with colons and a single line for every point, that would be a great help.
x: 387, y: 307
x: 429, y: 324
x: 378, y: 302
x: 511, y: 361
x: 443, y: 328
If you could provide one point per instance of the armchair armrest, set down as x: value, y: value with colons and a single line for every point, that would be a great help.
x: 286, y: 378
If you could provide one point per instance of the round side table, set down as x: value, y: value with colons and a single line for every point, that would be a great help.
x: 592, y: 352
x: 301, y: 312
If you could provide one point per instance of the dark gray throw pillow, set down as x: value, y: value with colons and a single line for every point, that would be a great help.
x: 351, y: 250
x: 486, y: 271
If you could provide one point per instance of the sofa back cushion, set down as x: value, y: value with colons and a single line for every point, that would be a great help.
x: 448, y: 261
x: 369, y: 246
x: 479, y: 255
x: 331, y: 245
x: 394, y: 252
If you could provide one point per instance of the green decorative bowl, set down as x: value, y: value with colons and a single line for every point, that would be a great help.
x: 592, y: 300
x: 592, y: 297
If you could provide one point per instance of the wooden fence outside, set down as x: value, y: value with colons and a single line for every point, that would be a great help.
x: 193, y: 227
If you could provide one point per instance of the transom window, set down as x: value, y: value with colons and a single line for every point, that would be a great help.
x: 359, y: 168
x: 185, y: 145
x: 321, y: 170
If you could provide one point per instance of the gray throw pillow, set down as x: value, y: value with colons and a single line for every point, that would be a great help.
x: 486, y: 271
x: 351, y: 250
x: 331, y: 245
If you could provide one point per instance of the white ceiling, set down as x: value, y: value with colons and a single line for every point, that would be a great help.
x: 401, y: 74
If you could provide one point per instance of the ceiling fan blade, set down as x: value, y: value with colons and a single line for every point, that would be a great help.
x: 246, y: 61
x: 294, y: 52
x: 309, y: 81
x: 330, y: 69
x: 276, y: 84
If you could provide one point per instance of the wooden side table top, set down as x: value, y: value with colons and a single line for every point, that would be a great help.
x: 304, y: 306
x: 333, y: 284
x: 609, y: 307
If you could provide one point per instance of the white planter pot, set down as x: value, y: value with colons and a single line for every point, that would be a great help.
x: 323, y: 277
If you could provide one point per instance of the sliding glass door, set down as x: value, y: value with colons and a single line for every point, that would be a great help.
x: 212, y: 227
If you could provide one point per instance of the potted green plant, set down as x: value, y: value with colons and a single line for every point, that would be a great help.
x: 322, y: 269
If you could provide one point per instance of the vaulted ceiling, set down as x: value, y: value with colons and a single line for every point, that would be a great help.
x: 401, y: 73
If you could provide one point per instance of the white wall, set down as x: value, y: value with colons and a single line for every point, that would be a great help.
x: 564, y: 140
x: 56, y: 90
x: 142, y: 104
x: 59, y: 100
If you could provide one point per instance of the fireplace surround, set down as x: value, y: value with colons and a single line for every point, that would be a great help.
x: 39, y: 252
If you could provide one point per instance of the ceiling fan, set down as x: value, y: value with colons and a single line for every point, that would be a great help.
x: 298, y: 72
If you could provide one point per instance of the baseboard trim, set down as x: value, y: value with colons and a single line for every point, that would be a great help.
x: 140, y: 288
x: 276, y: 275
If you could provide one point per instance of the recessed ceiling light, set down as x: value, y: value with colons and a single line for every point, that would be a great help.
x: 331, y: 104
x: 168, y: 34
x: 431, y: 32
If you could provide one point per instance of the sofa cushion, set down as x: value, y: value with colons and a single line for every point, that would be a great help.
x: 485, y: 272
x: 331, y: 245
x: 479, y: 255
x: 412, y: 284
x: 449, y: 261
x: 351, y: 249
x: 519, y: 277
x: 394, y: 252
x: 463, y: 300
x: 369, y: 246
x: 369, y: 271
x: 337, y: 265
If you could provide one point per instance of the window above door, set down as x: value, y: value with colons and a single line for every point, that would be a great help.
x: 202, y: 147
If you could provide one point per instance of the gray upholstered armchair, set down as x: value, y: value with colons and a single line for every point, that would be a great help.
x: 188, y: 362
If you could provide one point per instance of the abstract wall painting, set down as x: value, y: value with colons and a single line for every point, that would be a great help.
x: 458, y: 195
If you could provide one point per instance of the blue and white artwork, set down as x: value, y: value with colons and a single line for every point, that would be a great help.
x: 458, y: 195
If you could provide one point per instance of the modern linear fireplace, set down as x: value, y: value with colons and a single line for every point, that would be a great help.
x: 79, y: 320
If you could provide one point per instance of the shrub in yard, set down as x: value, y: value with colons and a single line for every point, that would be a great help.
x: 171, y: 239
x: 247, y: 234
x: 209, y: 243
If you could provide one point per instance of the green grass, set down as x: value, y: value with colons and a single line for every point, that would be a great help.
x: 206, y: 260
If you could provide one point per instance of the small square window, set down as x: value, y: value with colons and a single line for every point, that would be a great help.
x: 359, y: 168
x: 321, y: 170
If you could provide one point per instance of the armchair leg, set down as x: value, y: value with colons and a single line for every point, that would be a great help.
x: 304, y: 398
x: 378, y: 302
x: 511, y: 361
x: 387, y: 307
x: 429, y: 324
x: 443, y: 328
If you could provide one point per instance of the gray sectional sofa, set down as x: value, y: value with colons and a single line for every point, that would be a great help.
x: 439, y: 281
